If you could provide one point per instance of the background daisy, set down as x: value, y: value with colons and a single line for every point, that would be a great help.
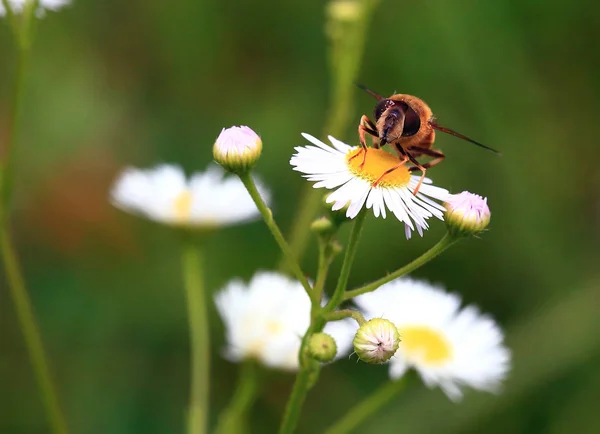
x: 17, y: 5
x: 340, y: 168
x: 163, y: 194
x: 448, y: 346
x: 266, y: 319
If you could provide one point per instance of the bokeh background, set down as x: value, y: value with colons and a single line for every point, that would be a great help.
x: 140, y: 82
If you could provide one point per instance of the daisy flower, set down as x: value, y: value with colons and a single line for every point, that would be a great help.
x: 266, y: 319
x: 17, y: 6
x: 448, y: 345
x: 357, y: 185
x: 163, y: 194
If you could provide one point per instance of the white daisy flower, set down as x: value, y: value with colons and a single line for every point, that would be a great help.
x: 357, y: 185
x: 266, y: 319
x: 17, y: 6
x: 448, y: 345
x: 163, y: 194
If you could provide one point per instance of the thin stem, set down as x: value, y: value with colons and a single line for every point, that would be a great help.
x: 31, y: 333
x: 326, y: 255
x: 199, y: 339
x: 309, y: 368
x: 6, y: 166
x: 338, y: 294
x: 367, y: 408
x: 232, y: 419
x: 10, y: 16
x: 23, y: 307
x: 446, y: 241
x: 343, y: 314
x: 298, y: 396
x: 347, y: 46
x: 283, y: 245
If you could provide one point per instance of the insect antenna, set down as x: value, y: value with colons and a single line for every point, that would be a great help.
x: 370, y: 92
x: 460, y: 136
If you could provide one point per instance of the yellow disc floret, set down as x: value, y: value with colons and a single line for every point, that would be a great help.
x: 425, y: 343
x: 183, y: 205
x: 376, y: 163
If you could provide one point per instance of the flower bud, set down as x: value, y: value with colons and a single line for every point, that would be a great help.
x: 322, y: 347
x: 322, y: 225
x: 466, y: 214
x: 376, y: 341
x: 344, y: 10
x: 237, y: 149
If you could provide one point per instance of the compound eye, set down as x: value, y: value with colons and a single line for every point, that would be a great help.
x: 382, y: 106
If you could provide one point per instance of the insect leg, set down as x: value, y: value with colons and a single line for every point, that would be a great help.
x: 403, y: 159
x: 418, y: 166
x: 438, y: 156
x: 365, y: 126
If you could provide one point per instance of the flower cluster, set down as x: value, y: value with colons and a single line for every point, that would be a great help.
x: 279, y: 321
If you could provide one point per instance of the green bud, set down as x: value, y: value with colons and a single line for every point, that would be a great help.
x: 322, y: 347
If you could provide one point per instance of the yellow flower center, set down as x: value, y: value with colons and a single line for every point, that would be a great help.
x: 183, y: 205
x: 272, y: 328
x: 376, y: 163
x: 427, y: 345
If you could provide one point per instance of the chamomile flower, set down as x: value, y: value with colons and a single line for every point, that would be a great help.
x: 17, y: 6
x: 356, y: 184
x: 163, y: 194
x: 448, y: 345
x: 266, y: 319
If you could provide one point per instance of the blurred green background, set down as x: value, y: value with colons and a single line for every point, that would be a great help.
x: 139, y: 82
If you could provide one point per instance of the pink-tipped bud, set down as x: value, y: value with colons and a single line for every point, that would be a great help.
x: 237, y: 149
x: 376, y: 341
x: 466, y: 214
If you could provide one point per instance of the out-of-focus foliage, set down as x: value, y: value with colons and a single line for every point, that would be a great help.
x: 140, y: 82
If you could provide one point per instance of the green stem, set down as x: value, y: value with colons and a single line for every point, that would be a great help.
x: 6, y: 166
x: 343, y: 314
x: 309, y: 368
x: 326, y: 255
x: 298, y: 396
x: 338, y: 294
x: 283, y: 245
x: 446, y: 241
x: 10, y: 16
x: 31, y: 333
x: 199, y: 339
x: 21, y: 32
x: 367, y: 408
x: 232, y: 419
x: 346, y: 53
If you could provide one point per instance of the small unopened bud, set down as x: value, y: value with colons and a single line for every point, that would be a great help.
x: 322, y: 347
x: 322, y: 225
x: 376, y: 341
x: 344, y: 10
x: 466, y: 214
x: 237, y: 149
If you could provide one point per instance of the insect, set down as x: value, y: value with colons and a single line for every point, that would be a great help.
x: 406, y: 123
